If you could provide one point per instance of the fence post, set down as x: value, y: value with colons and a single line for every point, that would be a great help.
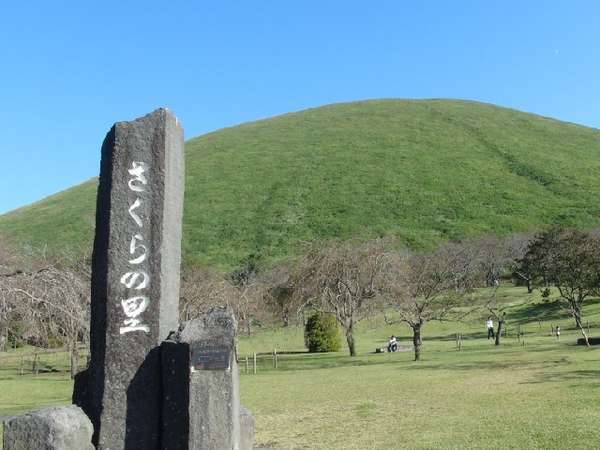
x: 254, y: 363
x: 34, y: 368
x: 274, y: 358
x: 246, y: 364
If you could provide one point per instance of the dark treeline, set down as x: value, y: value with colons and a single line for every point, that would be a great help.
x: 45, y: 301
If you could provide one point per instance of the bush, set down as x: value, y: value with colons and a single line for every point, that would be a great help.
x: 321, y: 333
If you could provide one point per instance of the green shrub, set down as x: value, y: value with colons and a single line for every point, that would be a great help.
x: 321, y: 333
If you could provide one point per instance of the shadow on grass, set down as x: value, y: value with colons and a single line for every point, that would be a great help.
x: 315, y: 361
x: 545, y: 311
x: 452, y: 336
x: 479, y: 361
x: 587, y: 378
x: 509, y: 333
x: 539, y: 311
x: 493, y: 365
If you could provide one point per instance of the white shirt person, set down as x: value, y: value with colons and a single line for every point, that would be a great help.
x: 490, y: 327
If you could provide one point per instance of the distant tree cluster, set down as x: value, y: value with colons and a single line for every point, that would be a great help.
x: 569, y: 261
x: 45, y: 301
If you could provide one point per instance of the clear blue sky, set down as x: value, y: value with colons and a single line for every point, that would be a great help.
x: 68, y: 70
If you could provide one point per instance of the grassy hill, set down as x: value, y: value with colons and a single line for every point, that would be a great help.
x: 422, y: 170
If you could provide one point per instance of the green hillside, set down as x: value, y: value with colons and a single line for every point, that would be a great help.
x: 422, y: 170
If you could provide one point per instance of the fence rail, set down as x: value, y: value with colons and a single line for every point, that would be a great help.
x: 43, y: 361
x: 251, y: 364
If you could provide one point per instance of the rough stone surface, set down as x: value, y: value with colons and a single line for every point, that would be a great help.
x: 55, y: 428
x: 201, y: 407
x: 135, y: 279
x: 246, y: 429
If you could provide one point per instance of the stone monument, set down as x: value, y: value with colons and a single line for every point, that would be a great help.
x: 201, y: 410
x: 135, y: 279
x: 140, y: 391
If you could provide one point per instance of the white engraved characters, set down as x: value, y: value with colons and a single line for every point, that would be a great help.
x: 132, y: 213
x: 134, y: 246
x: 131, y: 280
x: 137, y: 170
x: 137, y: 279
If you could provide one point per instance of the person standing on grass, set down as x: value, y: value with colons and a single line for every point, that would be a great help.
x: 557, y: 331
x: 490, y: 327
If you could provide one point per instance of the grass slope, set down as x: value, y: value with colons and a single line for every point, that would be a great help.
x: 422, y: 170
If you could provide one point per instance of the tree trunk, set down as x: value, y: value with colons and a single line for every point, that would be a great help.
x: 417, y: 341
x: 74, y: 359
x: 499, y: 332
x: 529, y: 286
x: 285, y: 318
x: 350, y: 341
x: 577, y: 316
x: 3, y: 339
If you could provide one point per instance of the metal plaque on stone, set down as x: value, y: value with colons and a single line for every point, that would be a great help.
x: 211, y: 360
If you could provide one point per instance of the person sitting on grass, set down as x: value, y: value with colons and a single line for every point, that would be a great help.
x: 490, y: 327
x: 392, y: 344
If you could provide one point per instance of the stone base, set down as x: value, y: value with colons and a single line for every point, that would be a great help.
x: 54, y: 428
x: 201, y: 402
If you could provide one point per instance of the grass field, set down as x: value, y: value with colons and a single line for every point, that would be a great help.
x: 423, y: 171
x: 541, y: 395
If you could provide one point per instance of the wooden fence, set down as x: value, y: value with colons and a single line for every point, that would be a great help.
x: 36, y: 361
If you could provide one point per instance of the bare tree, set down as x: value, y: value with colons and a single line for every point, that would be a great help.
x: 279, y: 293
x: 200, y: 290
x: 8, y: 262
x: 42, y: 299
x: 247, y: 303
x: 498, y: 313
x: 203, y: 288
x: 517, y: 245
x: 346, y: 278
x: 428, y: 286
x: 568, y: 259
x: 248, y: 297
x: 56, y: 302
x: 492, y: 256
x: 18, y: 320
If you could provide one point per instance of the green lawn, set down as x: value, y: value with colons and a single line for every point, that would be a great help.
x: 540, y: 395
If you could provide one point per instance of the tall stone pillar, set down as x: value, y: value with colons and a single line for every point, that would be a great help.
x: 135, y: 278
